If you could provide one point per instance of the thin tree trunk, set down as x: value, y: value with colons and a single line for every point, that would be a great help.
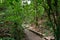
x: 36, y: 13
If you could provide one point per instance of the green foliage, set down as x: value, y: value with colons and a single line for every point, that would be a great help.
x: 13, y: 14
x: 41, y: 10
x: 49, y: 24
x: 14, y: 11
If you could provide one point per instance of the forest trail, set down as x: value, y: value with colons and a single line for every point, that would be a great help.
x: 32, y: 36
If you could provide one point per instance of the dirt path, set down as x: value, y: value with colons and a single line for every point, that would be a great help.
x: 31, y: 35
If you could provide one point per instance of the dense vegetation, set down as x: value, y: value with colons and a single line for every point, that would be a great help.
x: 14, y: 13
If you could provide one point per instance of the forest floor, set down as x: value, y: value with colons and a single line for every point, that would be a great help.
x: 32, y: 36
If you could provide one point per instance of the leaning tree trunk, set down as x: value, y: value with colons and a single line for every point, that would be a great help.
x: 56, y: 16
x: 58, y: 21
